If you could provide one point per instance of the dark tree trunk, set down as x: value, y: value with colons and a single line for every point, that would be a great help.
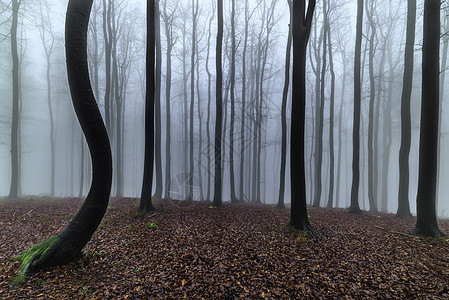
x: 301, y: 24
x: 67, y: 246
x: 145, y: 199
x: 284, y: 112
x: 426, y: 223
x: 404, y: 151
x: 354, y: 208
x: 14, y: 187
x: 218, y: 106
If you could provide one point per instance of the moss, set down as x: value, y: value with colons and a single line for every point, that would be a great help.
x: 30, y: 256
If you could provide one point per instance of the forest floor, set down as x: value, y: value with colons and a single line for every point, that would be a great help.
x: 194, y: 251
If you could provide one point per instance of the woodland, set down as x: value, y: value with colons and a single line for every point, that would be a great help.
x: 232, y: 208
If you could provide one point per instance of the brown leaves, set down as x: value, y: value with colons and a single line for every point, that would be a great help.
x: 230, y: 252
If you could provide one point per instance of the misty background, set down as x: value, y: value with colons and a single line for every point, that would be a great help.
x: 265, y: 24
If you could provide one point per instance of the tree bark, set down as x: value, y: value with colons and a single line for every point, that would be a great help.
x: 301, y: 25
x: 145, y: 199
x: 67, y: 246
x: 284, y: 112
x: 426, y: 222
x: 404, y: 151
x: 355, y: 208
x: 218, y: 106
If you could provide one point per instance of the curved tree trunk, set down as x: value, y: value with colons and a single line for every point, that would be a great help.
x: 67, y: 246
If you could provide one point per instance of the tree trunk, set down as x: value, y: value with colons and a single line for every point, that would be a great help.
x: 209, y: 98
x: 168, y: 35
x: 13, y: 191
x: 67, y: 246
x: 145, y: 199
x: 231, y: 127
x: 331, y: 120
x: 219, y: 109
x: 403, y: 198
x: 157, y: 106
x: 426, y: 222
x: 355, y: 208
x: 284, y: 112
x: 301, y: 25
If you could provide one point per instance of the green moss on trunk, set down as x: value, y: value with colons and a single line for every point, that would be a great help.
x: 30, y: 256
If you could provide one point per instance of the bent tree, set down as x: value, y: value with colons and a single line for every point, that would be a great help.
x: 66, y: 246
x: 301, y: 24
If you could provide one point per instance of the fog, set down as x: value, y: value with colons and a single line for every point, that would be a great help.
x: 266, y: 32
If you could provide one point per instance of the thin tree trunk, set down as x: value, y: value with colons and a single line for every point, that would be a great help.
x: 218, y: 106
x: 403, y: 197
x: 284, y: 112
x: 157, y: 106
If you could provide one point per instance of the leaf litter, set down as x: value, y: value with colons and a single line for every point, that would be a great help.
x: 195, y: 251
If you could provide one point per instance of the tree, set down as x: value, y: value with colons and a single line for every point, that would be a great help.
x: 145, y: 199
x: 371, y: 187
x: 404, y: 151
x: 48, y: 41
x: 192, y: 97
x: 426, y: 222
x: 331, y: 113
x: 157, y: 106
x: 14, y: 188
x: 66, y: 246
x: 284, y: 112
x: 218, y: 107
x: 354, y: 208
x: 169, y: 35
x: 231, y: 127
x: 209, y: 98
x: 301, y: 24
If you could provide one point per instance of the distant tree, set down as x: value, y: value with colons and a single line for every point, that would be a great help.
x: 320, y: 112
x: 168, y: 18
x: 232, y: 91
x: 218, y: 107
x: 301, y: 24
x: 372, y: 48
x: 355, y: 208
x: 66, y: 246
x: 145, y: 199
x: 284, y: 111
x: 403, y: 198
x: 47, y: 36
x: 426, y: 222
x: 195, y: 7
x: 209, y: 99
x: 157, y: 106
x: 15, y: 178
x: 331, y: 113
